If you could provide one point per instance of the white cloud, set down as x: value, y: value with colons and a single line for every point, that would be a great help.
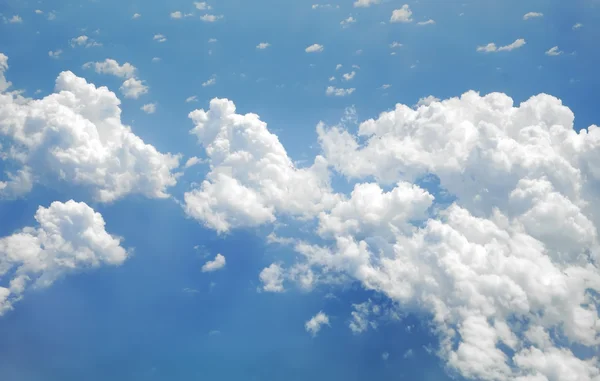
x: 428, y: 22
x: 519, y: 243
x: 360, y: 317
x: 136, y: 16
x: 338, y: 66
x: 193, y: 98
x: 577, y: 26
x: 251, y: 178
x: 313, y: 326
x: 85, y: 41
x: 55, y: 54
x: 212, y: 40
x: 365, y: 3
x: 38, y: 12
x: 194, y: 160
x: 331, y: 79
x: 385, y: 86
x: 553, y: 51
x: 395, y: 44
x: 210, y: 18
x: 159, y: 38
x: 51, y: 15
x: 338, y: 92
x: 149, y: 108
x: 403, y: 14
x: 491, y: 47
x: 349, y: 76
x: 176, y: 15
x: 209, y: 82
x: 214, y: 265
x: 155, y: 59
x: 263, y: 45
x: 314, y: 48
x: 348, y: 21
x: 202, y: 5
x: 4, y: 83
x: 531, y: 15
x: 69, y: 237
x: 75, y: 135
x: 133, y: 88
x: 428, y: 100
x: 385, y: 356
x: 112, y: 67
x: 324, y: 6
x: 16, y: 19
x: 272, y: 278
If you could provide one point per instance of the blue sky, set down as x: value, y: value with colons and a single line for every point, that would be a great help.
x: 451, y: 193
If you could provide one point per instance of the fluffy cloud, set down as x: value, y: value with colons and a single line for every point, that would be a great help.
x: 85, y: 41
x: 403, y: 14
x: 263, y: 45
x: 365, y: 3
x: 4, y: 84
x: 313, y: 326
x: 314, y: 48
x: 210, y: 18
x: 149, y: 108
x: 531, y: 15
x: 491, y: 47
x: 76, y: 135
x: 202, y: 5
x: 159, y: 38
x: 272, y: 278
x: 252, y: 178
x: 216, y: 264
x: 338, y: 92
x: 554, y: 51
x: 133, y: 88
x: 69, y: 237
x: 349, y: 76
x: 55, y: 54
x: 112, y: 67
x: 136, y: 16
x: 346, y: 22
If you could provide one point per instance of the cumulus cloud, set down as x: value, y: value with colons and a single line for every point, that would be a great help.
x: 346, y: 22
x: 216, y: 264
x: 361, y: 316
x: 491, y: 47
x: 133, y: 88
x: 252, y: 178
x: 193, y: 98
x: 272, y: 278
x: 403, y: 14
x: 365, y: 3
x: 194, y: 160
x: 324, y: 6
x: 426, y: 101
x: 15, y: 19
x: 159, y: 38
x: 349, y: 76
x: 75, y: 135
x: 209, y: 82
x: 530, y: 15
x: 263, y: 45
x: 553, y: 51
x: 577, y: 26
x: 313, y: 326
x: 314, y: 48
x: 68, y: 238
x: 149, y: 108
x: 202, y: 5
x: 338, y: 92
x: 112, y: 67
x: 210, y: 18
x: 84, y: 41
x: 136, y: 16
x: 55, y: 54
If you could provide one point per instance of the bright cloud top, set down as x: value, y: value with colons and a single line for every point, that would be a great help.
x: 491, y: 47
x: 518, y: 244
x: 314, y: 325
x: 69, y: 237
x: 216, y: 264
x: 76, y: 135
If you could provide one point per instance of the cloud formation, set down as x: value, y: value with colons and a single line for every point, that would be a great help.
x: 68, y: 237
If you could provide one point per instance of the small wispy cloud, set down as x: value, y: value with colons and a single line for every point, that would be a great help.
x: 314, y: 48
x: 211, y: 81
x: 428, y: 22
x: 159, y: 38
x: 491, y: 47
x: 263, y: 45
x: 338, y: 92
x: 531, y: 15
x: 554, y: 51
x: 149, y: 108
x: 210, y: 18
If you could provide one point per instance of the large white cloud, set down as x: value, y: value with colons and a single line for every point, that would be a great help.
x: 76, y: 135
x: 251, y: 178
x: 69, y: 237
x: 508, y: 272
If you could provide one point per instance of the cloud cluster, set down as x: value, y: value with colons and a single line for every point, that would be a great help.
x: 251, y: 177
x: 132, y: 87
x: 75, y: 135
x: 69, y: 237
x: 507, y: 269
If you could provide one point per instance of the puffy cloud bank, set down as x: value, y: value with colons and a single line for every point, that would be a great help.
x: 508, y: 272
x: 69, y: 237
x: 76, y: 135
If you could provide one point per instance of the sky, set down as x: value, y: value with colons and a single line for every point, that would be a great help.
x: 267, y: 190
